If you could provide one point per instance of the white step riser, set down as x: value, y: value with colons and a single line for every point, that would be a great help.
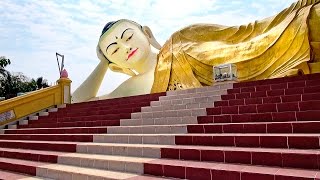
x: 53, y: 110
x: 150, y: 152
x: 177, y: 107
x: 135, y: 139
x: 148, y: 130
x: 12, y: 126
x: 174, y: 113
x: 159, y: 121
x: 61, y: 106
x: 104, y: 164
x: 197, y: 95
x: 210, y: 99
x: 46, y: 172
x: 33, y: 118
x: 23, y: 122
x: 203, y: 89
x: 44, y: 114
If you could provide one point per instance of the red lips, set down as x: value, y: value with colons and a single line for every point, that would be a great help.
x: 132, y: 53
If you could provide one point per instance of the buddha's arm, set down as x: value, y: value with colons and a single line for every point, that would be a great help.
x: 89, y: 88
x: 136, y: 85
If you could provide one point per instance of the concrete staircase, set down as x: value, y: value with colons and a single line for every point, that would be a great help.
x: 266, y: 129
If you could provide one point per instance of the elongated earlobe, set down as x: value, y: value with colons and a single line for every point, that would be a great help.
x: 147, y: 31
x: 116, y: 68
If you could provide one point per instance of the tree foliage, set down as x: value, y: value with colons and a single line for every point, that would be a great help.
x: 13, y: 83
x: 4, y: 62
x: 41, y: 83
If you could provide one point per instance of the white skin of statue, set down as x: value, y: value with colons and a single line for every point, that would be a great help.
x: 127, y: 46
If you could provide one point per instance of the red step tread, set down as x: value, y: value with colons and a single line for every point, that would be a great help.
x: 73, y: 124
x: 85, y: 118
x: 272, y: 93
x: 278, y: 80
x: 48, y: 137
x: 60, y: 130
x: 267, y: 100
x: 262, y: 127
x: 95, y: 112
x: 287, y: 141
x: 20, y: 166
x: 306, y: 159
x: 31, y: 155
x: 267, y: 87
x: 40, y: 145
x: 261, y: 117
x: 104, y: 107
x: 129, y: 99
x: 212, y: 171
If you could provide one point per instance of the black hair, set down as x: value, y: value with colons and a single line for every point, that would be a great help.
x: 108, y: 26
x: 111, y: 23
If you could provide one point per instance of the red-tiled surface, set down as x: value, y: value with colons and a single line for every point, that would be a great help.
x: 39, y: 145
x: 92, y: 123
x: 212, y: 171
x: 20, y: 166
x: 285, y: 141
x: 49, y: 137
x: 262, y: 127
x: 43, y: 140
x: 70, y: 130
x: 251, y: 156
x: 312, y: 115
x: 286, y: 105
x: 265, y: 108
x: 31, y: 155
x: 267, y: 129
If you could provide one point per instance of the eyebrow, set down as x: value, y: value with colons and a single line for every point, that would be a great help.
x: 125, y: 31
x: 114, y: 43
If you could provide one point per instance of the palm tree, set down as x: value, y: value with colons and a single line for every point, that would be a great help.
x: 41, y: 83
x: 3, y: 63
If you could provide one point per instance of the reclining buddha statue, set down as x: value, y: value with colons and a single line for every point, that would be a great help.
x: 283, y: 45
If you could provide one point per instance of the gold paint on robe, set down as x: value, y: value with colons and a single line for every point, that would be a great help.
x: 274, y: 47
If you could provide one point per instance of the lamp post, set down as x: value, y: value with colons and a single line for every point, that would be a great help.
x: 62, y: 62
x: 64, y: 82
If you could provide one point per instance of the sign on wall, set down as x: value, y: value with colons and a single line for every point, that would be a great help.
x: 7, y: 115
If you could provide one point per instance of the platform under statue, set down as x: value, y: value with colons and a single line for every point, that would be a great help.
x: 282, y: 45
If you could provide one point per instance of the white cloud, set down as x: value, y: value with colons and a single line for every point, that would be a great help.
x: 32, y: 31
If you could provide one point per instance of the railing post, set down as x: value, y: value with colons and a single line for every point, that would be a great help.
x: 65, y: 86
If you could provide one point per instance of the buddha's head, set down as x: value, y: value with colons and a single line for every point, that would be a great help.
x: 126, y: 45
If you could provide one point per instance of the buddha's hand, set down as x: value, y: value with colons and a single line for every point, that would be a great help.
x: 101, y: 56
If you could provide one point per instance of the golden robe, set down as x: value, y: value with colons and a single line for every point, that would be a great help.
x: 274, y: 47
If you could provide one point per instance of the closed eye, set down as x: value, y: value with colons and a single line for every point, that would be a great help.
x: 129, y: 37
x: 116, y: 50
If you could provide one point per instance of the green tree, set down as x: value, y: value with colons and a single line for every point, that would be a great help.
x: 11, y: 84
x: 41, y: 83
x: 3, y: 63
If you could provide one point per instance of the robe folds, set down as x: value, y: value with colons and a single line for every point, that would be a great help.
x: 270, y: 48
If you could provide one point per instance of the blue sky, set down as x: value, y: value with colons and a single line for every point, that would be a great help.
x: 32, y: 31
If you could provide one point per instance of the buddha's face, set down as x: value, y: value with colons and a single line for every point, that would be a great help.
x: 125, y: 44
